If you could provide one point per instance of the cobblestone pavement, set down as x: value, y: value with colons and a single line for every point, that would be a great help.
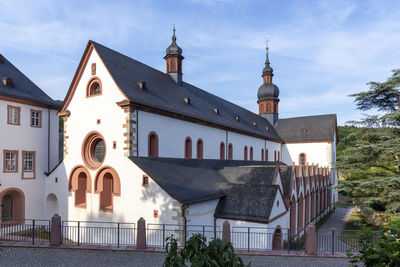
x: 10, y: 256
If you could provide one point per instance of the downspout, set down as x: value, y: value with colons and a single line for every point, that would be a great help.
x: 226, y: 145
x: 137, y: 132
x: 48, y: 142
x: 183, y: 210
x: 215, y: 226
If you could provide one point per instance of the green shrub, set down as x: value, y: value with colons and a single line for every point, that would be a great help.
x: 196, y: 252
x: 380, y: 248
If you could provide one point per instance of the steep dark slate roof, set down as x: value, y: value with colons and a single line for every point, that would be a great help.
x: 309, y: 128
x: 286, y: 176
x: 23, y: 88
x: 193, y: 180
x: 163, y: 93
x: 247, y: 202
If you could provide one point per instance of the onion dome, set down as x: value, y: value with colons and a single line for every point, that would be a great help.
x: 173, y: 49
x: 268, y: 90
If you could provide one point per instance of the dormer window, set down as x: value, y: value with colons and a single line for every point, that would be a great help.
x: 94, y: 87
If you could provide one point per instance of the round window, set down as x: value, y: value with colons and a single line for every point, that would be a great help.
x: 93, y: 150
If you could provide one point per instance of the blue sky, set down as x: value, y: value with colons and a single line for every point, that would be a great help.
x: 321, y: 51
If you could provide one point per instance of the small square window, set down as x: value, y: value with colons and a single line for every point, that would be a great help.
x: 98, y: 121
x: 145, y: 181
x: 155, y: 213
x: 114, y: 144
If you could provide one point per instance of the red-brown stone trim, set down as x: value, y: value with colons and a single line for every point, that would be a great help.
x: 26, y: 102
x: 40, y: 118
x: 9, y: 107
x: 73, y: 179
x: 33, y: 163
x: 78, y: 75
x: 98, y: 184
x: 4, y: 160
x: 88, y: 150
x: 18, y: 204
x: 92, y: 81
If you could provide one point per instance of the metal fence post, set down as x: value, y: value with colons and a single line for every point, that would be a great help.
x: 49, y: 230
x: 79, y: 224
x: 118, y: 235
x: 33, y: 232
x: 248, y: 238
x: 333, y: 241
x: 288, y: 240
x: 203, y: 231
x: 163, y: 236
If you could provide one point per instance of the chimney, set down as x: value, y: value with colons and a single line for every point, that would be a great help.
x: 7, y: 82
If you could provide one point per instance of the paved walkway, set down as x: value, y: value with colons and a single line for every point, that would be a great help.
x: 75, y: 257
x: 338, y: 219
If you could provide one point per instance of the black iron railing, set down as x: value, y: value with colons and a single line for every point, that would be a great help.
x: 25, y: 230
x: 102, y: 233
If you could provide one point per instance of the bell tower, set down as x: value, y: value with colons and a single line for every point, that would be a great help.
x: 268, y: 93
x: 174, y: 59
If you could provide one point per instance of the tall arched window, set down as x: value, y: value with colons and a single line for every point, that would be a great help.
x: 266, y: 154
x: 262, y: 108
x: 279, y: 156
x: 275, y: 155
x: 268, y: 108
x: 262, y: 154
x: 153, y: 145
x: 80, y: 193
x: 251, y: 153
x: 230, y: 152
x: 199, y: 149
x: 222, y: 151
x: 188, y: 148
x: 245, y: 153
x: 302, y: 159
x: 106, y: 195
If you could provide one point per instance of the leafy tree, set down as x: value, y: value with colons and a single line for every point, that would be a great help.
x: 196, y: 252
x: 369, y: 151
x: 380, y: 248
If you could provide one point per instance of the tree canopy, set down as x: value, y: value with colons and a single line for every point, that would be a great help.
x: 369, y: 150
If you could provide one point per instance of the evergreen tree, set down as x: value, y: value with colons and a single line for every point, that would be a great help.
x: 369, y: 156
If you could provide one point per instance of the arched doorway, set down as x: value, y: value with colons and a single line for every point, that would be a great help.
x: 277, y: 238
x: 12, y: 203
x: 51, y: 205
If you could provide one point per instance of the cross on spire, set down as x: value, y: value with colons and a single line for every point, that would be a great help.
x: 173, y: 36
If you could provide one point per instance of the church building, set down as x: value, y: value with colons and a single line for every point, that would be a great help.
x: 139, y: 142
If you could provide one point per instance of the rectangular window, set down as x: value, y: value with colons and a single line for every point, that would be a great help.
x: 10, y: 161
x: 36, y: 118
x: 28, y: 164
x: 13, y: 115
x: 145, y: 182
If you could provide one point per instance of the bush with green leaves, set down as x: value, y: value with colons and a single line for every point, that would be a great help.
x: 380, y: 248
x: 197, y: 253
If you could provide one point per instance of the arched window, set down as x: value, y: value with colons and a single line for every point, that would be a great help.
x: 94, y: 87
x: 199, y: 149
x: 153, y: 145
x: 275, y: 108
x: 230, y: 152
x: 173, y: 68
x: 262, y: 154
x: 222, y: 151
x: 275, y: 155
x: 106, y: 203
x: 268, y: 108
x: 245, y: 153
x: 279, y: 156
x: 251, y: 153
x: 302, y: 159
x: 188, y: 148
x: 108, y: 184
x: 262, y: 108
x: 266, y: 154
x: 80, y: 193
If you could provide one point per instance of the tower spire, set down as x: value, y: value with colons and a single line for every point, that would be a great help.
x: 174, y: 59
x: 268, y: 93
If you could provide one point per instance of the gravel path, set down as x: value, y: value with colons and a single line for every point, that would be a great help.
x: 76, y: 257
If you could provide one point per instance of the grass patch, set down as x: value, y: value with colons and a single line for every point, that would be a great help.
x: 40, y: 233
